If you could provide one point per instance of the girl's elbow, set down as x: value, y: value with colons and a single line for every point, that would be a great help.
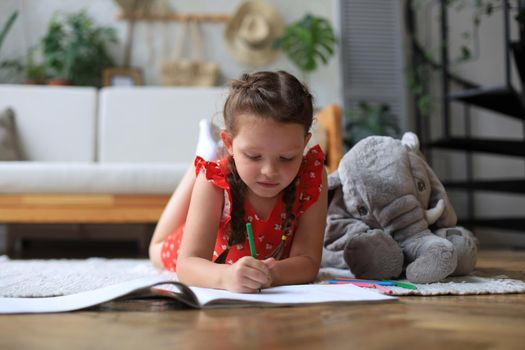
x: 313, y: 271
x: 154, y: 255
x: 181, y: 269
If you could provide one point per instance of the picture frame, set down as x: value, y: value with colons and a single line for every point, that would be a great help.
x: 121, y: 76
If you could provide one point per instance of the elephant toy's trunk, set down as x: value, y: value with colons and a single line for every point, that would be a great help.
x: 403, y: 217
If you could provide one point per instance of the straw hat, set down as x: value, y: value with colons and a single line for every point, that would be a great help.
x: 251, y: 31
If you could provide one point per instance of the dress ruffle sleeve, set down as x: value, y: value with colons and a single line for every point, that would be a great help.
x: 310, y: 181
x: 216, y: 173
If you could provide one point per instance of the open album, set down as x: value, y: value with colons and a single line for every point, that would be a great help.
x: 165, y: 286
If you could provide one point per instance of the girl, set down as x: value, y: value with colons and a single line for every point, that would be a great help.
x: 265, y: 180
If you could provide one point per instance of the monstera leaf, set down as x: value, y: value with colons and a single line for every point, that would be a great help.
x: 308, y: 42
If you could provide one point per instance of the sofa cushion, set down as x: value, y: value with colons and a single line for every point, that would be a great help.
x: 53, y: 123
x: 9, y: 146
x: 152, y: 124
x: 87, y: 177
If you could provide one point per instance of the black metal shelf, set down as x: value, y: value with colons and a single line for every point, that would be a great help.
x: 506, y: 185
x: 504, y: 147
x: 508, y: 223
x: 518, y: 50
x: 501, y: 99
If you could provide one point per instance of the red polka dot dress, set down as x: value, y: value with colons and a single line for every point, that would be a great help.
x: 268, y: 232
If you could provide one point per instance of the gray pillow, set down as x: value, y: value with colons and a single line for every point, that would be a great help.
x: 9, y: 146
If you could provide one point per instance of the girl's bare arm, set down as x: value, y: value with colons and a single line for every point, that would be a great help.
x: 194, y: 265
x: 305, y: 255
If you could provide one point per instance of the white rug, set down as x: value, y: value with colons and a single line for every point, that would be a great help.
x: 464, y: 285
x: 45, y: 278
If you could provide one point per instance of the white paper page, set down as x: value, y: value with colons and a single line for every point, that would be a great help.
x: 296, y: 294
x: 79, y: 300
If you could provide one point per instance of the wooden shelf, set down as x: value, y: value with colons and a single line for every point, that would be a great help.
x: 175, y: 16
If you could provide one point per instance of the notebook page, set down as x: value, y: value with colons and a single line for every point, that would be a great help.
x: 80, y: 300
x: 293, y: 294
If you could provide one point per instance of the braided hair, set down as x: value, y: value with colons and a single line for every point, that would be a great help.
x: 278, y: 96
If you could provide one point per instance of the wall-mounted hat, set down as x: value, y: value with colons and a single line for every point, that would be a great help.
x: 251, y: 31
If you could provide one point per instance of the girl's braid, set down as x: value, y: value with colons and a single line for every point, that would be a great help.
x: 238, y: 190
x: 288, y: 218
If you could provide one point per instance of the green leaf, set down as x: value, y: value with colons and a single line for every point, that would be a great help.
x: 7, y: 27
x: 370, y: 119
x: 308, y: 42
x: 489, y: 9
x: 424, y: 103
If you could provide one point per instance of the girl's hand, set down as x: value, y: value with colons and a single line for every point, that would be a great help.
x: 247, y: 275
x: 270, y: 263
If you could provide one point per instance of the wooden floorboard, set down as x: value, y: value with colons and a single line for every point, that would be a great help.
x: 439, y: 322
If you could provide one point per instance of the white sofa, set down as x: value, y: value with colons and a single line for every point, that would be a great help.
x: 115, y: 140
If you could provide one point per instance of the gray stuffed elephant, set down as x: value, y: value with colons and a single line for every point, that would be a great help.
x: 389, y: 211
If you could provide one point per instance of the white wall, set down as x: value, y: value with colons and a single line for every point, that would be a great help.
x: 154, y: 40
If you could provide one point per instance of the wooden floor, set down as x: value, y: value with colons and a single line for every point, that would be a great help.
x: 446, y: 322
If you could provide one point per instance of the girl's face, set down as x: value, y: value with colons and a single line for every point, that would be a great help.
x: 267, y: 154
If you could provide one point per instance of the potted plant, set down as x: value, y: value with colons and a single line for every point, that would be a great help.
x: 369, y: 120
x: 35, y: 71
x: 308, y: 43
x: 74, y: 49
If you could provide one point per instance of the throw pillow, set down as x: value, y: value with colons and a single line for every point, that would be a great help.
x: 9, y: 146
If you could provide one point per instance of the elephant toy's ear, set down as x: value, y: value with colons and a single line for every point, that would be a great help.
x: 334, y: 184
x: 334, y: 180
x: 410, y: 140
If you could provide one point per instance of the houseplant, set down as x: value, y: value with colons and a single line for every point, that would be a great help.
x: 74, y: 49
x: 35, y: 72
x: 308, y: 43
x: 367, y: 120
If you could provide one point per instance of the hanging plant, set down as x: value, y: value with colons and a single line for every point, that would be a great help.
x: 308, y: 42
x: 426, y: 60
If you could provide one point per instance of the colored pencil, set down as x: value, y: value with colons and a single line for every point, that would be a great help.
x: 251, y: 240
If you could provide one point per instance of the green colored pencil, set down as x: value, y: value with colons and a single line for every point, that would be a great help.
x: 251, y: 240
x: 404, y: 285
